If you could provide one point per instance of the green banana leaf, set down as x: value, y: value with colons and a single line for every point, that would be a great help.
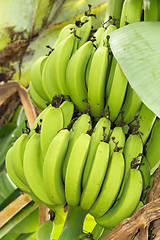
x: 136, y: 48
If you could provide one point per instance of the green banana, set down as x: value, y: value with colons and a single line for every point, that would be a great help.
x: 76, y: 162
x: 131, y: 12
x: 143, y: 123
x: 81, y: 125
x: 59, y: 61
x: 127, y: 203
x: 116, y: 140
x: 105, y: 40
x: 133, y: 150
x: 100, y: 132
x: 152, y: 149
x: 145, y: 171
x: 110, y: 76
x: 37, y: 99
x: 75, y: 75
x: 113, y: 12
x: 38, y: 121
x: 45, y: 230
x: 96, y: 176
x: 12, y: 174
x: 64, y: 33
x: 51, y: 124
x: 97, y: 81
x: 48, y: 84
x: 52, y: 167
x: 131, y: 106
x: 36, y: 76
x: 67, y: 108
x: 85, y: 29
x: 110, y: 187
x: 116, y: 95
x: 151, y: 10
x: 18, y: 155
x: 32, y: 167
x: 96, y: 39
x: 98, y: 36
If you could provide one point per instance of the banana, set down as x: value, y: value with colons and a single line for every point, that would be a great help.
x: 18, y: 155
x: 116, y: 140
x: 117, y: 94
x: 96, y: 176
x: 67, y: 108
x: 113, y: 12
x: 110, y: 187
x: 85, y: 29
x: 133, y: 150
x: 12, y: 174
x: 98, y: 36
x: 110, y: 76
x: 131, y: 12
x: 145, y: 171
x: 105, y: 42
x: 59, y: 61
x: 48, y: 83
x: 100, y: 132
x: 104, y: 39
x: 32, y: 167
x: 51, y: 124
x: 75, y: 75
x: 152, y: 149
x: 38, y: 121
x: 75, y: 168
x: 37, y: 99
x: 64, y: 33
x: 143, y: 123
x: 96, y: 39
x: 36, y: 76
x: 97, y: 81
x: 52, y: 167
x: 130, y: 108
x: 81, y: 125
x: 45, y: 230
x: 151, y: 12
x: 128, y: 202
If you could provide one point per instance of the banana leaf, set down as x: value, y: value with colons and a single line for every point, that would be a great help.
x: 136, y: 48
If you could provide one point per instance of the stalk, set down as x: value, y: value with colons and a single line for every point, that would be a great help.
x: 114, y: 9
x: 73, y: 225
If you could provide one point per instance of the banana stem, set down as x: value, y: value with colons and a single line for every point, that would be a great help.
x: 73, y: 225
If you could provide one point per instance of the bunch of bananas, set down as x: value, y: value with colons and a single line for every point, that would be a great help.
x: 94, y: 144
x: 66, y: 159
x: 80, y: 64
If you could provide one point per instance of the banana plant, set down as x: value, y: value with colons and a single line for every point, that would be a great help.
x: 135, y: 49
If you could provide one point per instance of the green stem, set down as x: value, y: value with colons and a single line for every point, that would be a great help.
x: 97, y: 231
x: 73, y: 225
